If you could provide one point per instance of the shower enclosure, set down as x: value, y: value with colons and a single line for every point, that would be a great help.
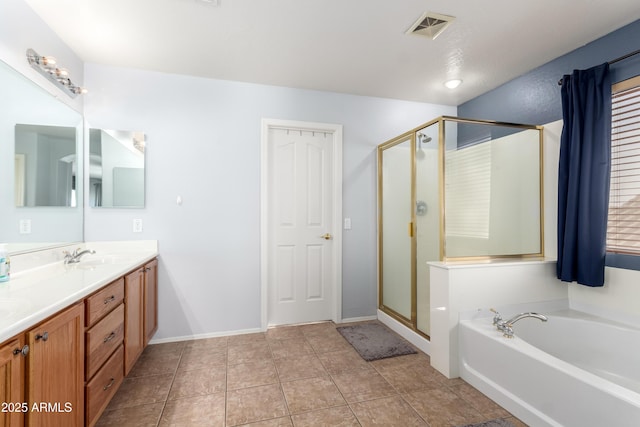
x: 454, y: 190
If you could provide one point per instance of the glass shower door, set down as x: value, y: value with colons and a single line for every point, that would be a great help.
x: 427, y: 219
x: 396, y: 227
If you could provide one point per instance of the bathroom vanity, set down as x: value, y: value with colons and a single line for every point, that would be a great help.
x: 71, y: 333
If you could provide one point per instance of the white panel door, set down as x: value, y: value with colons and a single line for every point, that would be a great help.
x: 300, y: 257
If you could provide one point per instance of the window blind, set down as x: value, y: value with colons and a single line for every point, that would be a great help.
x: 623, y: 228
x: 468, y: 191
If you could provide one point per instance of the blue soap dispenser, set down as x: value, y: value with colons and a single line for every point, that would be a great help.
x: 4, y: 263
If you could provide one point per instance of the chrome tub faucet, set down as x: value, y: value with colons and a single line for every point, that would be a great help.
x: 506, y: 326
x: 75, y: 256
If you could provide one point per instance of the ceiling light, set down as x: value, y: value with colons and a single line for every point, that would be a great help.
x: 453, y: 83
x: 46, y: 65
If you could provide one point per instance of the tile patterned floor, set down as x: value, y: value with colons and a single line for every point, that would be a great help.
x: 298, y: 376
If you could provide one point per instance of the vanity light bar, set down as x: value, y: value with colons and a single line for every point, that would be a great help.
x: 46, y: 65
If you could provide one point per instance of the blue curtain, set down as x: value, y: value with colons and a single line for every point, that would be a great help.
x: 583, y: 176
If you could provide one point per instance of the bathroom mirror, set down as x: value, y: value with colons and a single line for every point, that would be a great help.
x: 116, y: 168
x: 55, y: 217
x: 46, y: 166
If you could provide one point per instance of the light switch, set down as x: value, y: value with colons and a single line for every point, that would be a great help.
x: 347, y: 223
x: 25, y: 226
x: 137, y: 225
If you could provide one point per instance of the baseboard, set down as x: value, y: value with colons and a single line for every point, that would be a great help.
x: 240, y: 332
x: 359, y: 319
x: 414, y: 338
x: 203, y: 336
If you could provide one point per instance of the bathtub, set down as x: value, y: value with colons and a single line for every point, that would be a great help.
x: 573, y: 370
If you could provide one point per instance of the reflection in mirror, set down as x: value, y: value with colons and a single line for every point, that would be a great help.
x: 26, y: 224
x: 46, y: 166
x: 116, y: 168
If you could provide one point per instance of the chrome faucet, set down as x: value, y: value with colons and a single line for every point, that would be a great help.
x: 75, y: 256
x: 506, y: 326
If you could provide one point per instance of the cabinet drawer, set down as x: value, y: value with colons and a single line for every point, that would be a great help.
x: 103, y: 386
x: 103, y: 301
x: 103, y: 338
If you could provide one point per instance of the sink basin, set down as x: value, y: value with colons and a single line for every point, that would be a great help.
x: 96, y: 260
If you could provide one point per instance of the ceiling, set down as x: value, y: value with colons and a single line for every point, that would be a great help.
x: 348, y: 46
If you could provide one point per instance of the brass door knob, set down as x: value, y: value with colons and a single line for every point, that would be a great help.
x: 326, y: 236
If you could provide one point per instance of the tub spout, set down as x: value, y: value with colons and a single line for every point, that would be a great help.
x: 506, y: 326
x: 515, y: 318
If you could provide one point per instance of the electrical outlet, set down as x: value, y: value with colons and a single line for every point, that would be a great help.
x: 25, y: 226
x: 137, y: 225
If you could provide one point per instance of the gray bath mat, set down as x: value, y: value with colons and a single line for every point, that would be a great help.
x: 374, y: 341
x: 493, y: 423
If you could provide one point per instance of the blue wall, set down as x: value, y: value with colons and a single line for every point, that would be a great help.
x: 534, y: 98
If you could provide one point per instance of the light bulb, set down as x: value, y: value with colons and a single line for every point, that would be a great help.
x: 62, y: 72
x: 452, y: 84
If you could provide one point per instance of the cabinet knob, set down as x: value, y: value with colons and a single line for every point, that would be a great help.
x: 43, y: 337
x: 110, y: 299
x: 24, y: 351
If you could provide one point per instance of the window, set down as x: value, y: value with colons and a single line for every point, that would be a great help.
x: 623, y: 228
x: 468, y: 191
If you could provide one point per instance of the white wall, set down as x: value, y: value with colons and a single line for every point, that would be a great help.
x: 203, y: 143
x: 618, y: 299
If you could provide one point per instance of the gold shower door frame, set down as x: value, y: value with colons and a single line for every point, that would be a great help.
x: 412, y: 321
x: 410, y: 135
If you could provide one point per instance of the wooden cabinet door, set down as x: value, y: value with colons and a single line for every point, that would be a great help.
x: 150, y: 300
x: 12, y: 383
x: 55, y: 370
x: 133, y: 318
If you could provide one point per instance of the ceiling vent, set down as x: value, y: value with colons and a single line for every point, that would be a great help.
x: 431, y: 25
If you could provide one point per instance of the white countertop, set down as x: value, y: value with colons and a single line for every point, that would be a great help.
x: 35, y: 293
